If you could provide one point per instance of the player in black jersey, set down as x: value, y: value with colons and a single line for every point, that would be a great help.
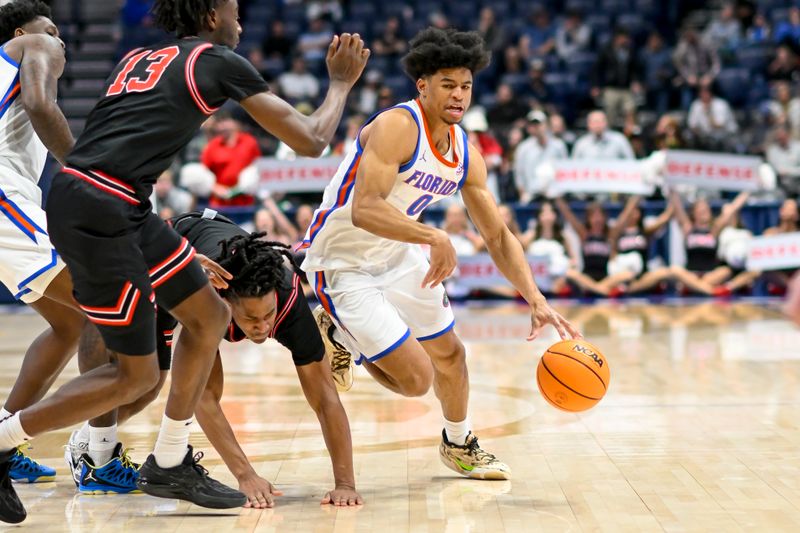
x: 266, y: 301
x: 123, y: 258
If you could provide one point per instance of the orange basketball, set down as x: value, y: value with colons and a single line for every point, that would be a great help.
x: 573, y: 375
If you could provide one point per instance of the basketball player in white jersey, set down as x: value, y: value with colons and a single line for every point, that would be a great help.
x: 31, y: 61
x: 364, y: 257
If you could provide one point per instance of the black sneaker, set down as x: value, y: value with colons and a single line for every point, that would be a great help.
x: 11, y: 509
x: 188, y: 481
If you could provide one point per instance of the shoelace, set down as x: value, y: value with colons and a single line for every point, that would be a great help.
x: 126, y: 460
x: 197, y: 466
x: 24, y: 447
x: 341, y: 357
x: 479, y: 453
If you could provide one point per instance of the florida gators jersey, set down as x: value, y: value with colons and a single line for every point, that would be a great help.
x: 21, y: 150
x: 333, y: 242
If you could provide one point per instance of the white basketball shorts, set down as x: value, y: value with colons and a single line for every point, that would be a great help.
x: 379, y: 309
x: 28, y: 262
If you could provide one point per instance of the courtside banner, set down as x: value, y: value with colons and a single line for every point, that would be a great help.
x: 775, y: 252
x: 710, y: 170
x: 479, y: 271
x: 598, y: 176
x: 300, y: 175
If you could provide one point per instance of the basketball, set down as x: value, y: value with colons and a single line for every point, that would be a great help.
x: 573, y: 375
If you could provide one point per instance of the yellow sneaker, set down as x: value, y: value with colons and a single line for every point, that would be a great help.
x: 470, y: 460
x: 340, y: 357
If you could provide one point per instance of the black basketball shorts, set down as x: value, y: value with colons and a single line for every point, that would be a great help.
x: 122, y: 257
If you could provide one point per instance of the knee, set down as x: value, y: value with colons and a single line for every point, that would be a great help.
x: 213, y: 316
x: 417, y: 384
x: 452, y: 360
x: 135, y: 379
x: 69, y: 327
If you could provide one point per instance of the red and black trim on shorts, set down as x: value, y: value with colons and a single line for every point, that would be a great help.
x: 287, y: 306
x: 173, y: 264
x: 120, y: 314
x: 106, y: 183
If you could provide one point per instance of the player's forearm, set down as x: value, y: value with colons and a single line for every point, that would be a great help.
x: 336, y: 432
x: 380, y: 218
x: 220, y: 434
x: 325, y: 120
x: 52, y: 128
x: 508, y: 255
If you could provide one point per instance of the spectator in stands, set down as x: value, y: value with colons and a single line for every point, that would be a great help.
x: 784, y: 108
x: 512, y: 62
x: 507, y: 108
x: 788, y: 31
x: 615, y: 79
x: 785, y: 66
x: 510, y: 219
x: 390, y: 43
x: 367, y: 95
x: 783, y: 153
x: 284, y: 151
x: 481, y: 137
x: 558, y: 129
x: 227, y: 155
x: 697, y: 64
x: 540, y: 147
x: 354, y: 123
x: 596, y: 237
x: 386, y: 97
x: 538, y: 37
x: 298, y: 84
x: 724, y: 32
x: 167, y: 196
x: 277, y: 45
x: 548, y: 241
x: 600, y: 142
x: 711, y: 121
x: 490, y: 30
x: 270, y: 218
x: 657, y: 72
x: 329, y: 10
x: 667, y: 134
x: 303, y: 217
x: 437, y: 19
x: 703, y: 272
x: 537, y: 87
x: 313, y: 43
x: 788, y: 222
x: 573, y: 35
x: 465, y: 241
x: 759, y: 32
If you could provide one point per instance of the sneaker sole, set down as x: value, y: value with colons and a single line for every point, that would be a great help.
x: 478, y: 473
x: 108, y: 491
x: 164, y: 491
x: 37, y: 479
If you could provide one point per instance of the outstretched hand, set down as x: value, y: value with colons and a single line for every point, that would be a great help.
x: 259, y: 492
x: 542, y: 315
x: 342, y: 497
x: 346, y: 58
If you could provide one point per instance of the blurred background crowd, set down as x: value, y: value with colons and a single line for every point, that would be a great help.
x: 569, y: 79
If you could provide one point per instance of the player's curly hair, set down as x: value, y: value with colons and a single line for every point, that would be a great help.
x: 18, y: 13
x: 183, y: 17
x: 255, y: 264
x: 433, y: 49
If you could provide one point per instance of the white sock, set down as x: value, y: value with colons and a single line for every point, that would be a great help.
x: 173, y: 441
x: 457, y: 431
x: 83, y: 434
x: 5, y: 413
x: 102, y: 442
x: 11, y: 433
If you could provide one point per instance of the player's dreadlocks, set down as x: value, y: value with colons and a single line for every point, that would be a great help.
x: 255, y: 264
x: 184, y: 17
x: 18, y: 13
x: 433, y: 49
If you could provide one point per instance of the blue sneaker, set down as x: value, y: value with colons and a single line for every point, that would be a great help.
x: 23, y: 468
x: 118, y: 476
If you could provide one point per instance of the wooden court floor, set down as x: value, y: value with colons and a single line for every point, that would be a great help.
x: 700, y: 431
